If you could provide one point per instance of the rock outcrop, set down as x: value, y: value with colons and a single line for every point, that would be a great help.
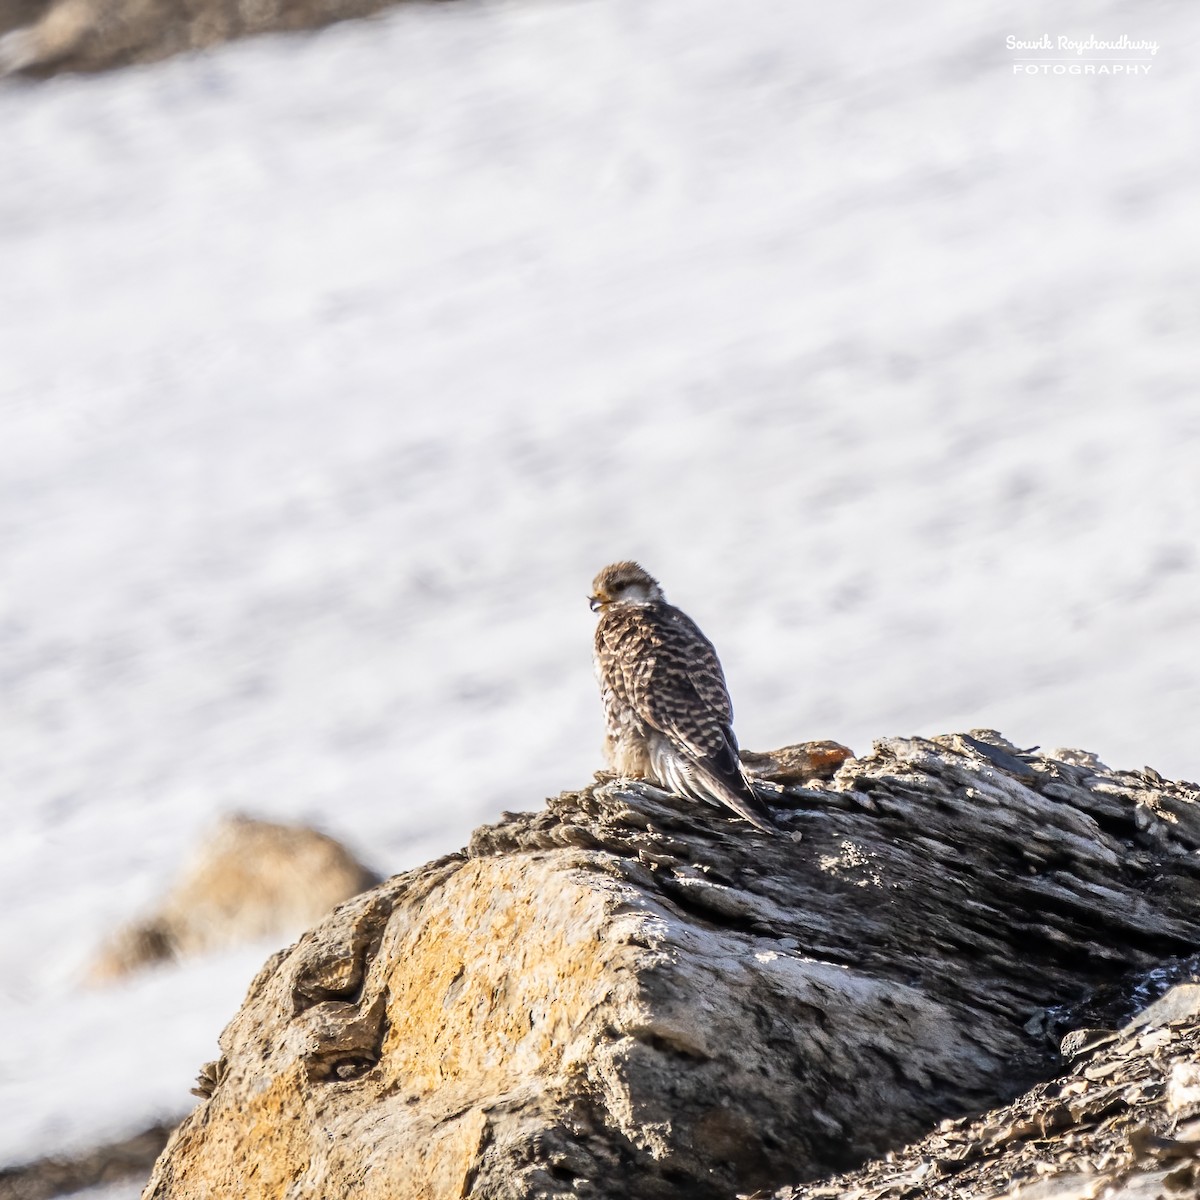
x: 1124, y: 1122
x: 250, y: 880
x: 128, y: 1158
x: 628, y: 995
x: 95, y: 35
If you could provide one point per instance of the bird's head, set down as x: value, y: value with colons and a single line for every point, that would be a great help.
x: 623, y: 583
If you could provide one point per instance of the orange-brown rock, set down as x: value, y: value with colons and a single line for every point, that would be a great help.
x: 799, y: 763
x: 249, y: 881
x: 629, y: 995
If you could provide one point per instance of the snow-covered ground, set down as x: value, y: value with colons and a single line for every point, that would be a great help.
x: 332, y: 367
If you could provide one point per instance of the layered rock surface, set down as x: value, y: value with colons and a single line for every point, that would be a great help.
x: 628, y: 995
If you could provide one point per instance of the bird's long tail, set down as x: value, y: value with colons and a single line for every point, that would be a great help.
x: 717, y: 780
x: 738, y: 795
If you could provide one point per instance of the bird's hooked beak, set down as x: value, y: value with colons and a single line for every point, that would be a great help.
x: 595, y: 603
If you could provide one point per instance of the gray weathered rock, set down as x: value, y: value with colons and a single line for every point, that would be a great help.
x: 1125, y: 1122
x: 93, y: 35
x: 631, y: 996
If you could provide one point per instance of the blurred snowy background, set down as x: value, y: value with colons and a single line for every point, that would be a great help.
x: 332, y: 366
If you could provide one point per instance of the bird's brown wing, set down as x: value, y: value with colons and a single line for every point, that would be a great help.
x: 688, y: 701
x: 675, y: 683
x: 654, y: 661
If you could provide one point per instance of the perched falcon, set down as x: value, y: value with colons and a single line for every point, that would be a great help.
x: 667, y: 712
